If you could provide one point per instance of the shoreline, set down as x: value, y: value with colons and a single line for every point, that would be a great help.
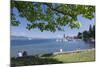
x: 71, y: 57
x: 74, y: 51
x: 63, y: 52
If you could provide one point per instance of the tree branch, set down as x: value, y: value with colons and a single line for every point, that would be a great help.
x: 55, y: 9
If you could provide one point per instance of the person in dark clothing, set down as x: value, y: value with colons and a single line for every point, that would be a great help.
x: 25, y: 54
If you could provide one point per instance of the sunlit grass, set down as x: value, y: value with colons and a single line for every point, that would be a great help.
x: 84, y: 56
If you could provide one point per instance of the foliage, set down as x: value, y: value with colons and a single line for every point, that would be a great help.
x: 47, y: 55
x: 32, y: 60
x: 79, y: 35
x: 60, y: 58
x: 92, y: 31
x: 87, y: 34
x: 50, y: 16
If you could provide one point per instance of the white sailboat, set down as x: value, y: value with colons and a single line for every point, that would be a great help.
x: 29, y: 38
x: 64, y: 40
x: 58, y: 40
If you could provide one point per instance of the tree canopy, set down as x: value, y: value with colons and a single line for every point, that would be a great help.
x: 86, y: 35
x: 50, y: 16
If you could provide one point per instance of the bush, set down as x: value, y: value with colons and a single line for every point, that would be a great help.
x: 32, y: 60
x: 47, y: 55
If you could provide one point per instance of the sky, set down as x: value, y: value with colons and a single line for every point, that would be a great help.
x: 36, y: 33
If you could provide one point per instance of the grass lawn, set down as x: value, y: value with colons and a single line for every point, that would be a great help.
x: 84, y: 56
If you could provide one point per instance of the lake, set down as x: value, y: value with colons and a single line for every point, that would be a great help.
x: 43, y: 46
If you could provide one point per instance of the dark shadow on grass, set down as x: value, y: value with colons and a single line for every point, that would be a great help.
x: 32, y: 60
x: 47, y: 55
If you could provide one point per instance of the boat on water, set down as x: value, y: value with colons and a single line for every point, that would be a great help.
x: 61, y: 40
x: 64, y: 40
x: 58, y: 40
x: 29, y: 38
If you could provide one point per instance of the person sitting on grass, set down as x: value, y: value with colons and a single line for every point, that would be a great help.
x: 25, y: 54
x: 20, y: 54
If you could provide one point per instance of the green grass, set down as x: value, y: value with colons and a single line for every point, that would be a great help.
x: 32, y: 60
x: 84, y: 56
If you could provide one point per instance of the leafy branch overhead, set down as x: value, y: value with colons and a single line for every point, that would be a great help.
x: 50, y: 16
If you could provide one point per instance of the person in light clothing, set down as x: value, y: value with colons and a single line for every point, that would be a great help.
x: 60, y: 50
x: 20, y: 54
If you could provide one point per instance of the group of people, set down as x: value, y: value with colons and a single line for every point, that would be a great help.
x: 22, y: 54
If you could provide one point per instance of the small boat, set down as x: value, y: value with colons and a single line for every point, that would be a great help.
x: 64, y: 40
x: 58, y: 40
x: 29, y: 38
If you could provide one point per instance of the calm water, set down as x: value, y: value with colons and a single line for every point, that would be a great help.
x: 42, y: 46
